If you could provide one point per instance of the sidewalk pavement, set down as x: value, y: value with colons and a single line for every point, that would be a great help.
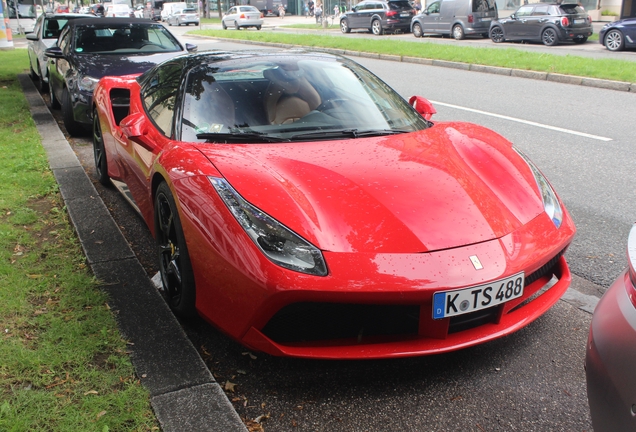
x: 183, y: 392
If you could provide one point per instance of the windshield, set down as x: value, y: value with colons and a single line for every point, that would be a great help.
x: 399, y: 5
x: 125, y: 39
x: 293, y: 98
x: 23, y: 10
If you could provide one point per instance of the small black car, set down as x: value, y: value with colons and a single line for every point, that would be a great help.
x: 379, y: 16
x: 89, y: 49
x: 618, y: 35
x: 549, y: 23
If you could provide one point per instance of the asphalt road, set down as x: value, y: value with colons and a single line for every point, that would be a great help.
x: 532, y: 380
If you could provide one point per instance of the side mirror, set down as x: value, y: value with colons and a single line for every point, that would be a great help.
x: 423, y: 106
x: 513, y: 16
x: 191, y: 47
x: 54, y: 52
x: 353, y: 9
x: 426, y: 12
x: 135, y: 128
x: 32, y: 37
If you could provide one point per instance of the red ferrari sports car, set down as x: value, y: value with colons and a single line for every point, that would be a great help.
x: 306, y: 209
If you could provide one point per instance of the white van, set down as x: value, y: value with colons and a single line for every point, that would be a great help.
x: 170, y: 8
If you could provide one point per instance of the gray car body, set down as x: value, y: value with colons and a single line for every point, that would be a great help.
x: 41, y: 39
x: 441, y: 16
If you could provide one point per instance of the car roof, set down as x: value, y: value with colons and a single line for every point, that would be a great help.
x: 69, y: 15
x: 105, y: 22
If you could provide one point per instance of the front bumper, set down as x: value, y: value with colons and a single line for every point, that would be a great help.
x: 610, y: 359
x: 263, y: 305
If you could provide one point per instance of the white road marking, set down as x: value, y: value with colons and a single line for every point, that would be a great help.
x: 528, y: 122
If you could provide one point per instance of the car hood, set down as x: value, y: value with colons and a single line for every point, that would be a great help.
x: 451, y: 185
x: 100, y: 65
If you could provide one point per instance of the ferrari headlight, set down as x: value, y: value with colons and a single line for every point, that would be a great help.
x: 550, y: 200
x: 87, y: 83
x: 277, y: 242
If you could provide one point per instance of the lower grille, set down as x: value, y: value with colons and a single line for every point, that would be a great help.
x: 308, y: 322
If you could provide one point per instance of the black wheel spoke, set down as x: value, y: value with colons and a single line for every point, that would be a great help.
x: 174, y: 262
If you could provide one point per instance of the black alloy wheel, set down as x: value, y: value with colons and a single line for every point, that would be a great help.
x: 549, y: 37
x: 417, y: 30
x: 614, y: 40
x: 497, y: 34
x: 177, y: 277
x: 101, y: 165
x: 72, y: 127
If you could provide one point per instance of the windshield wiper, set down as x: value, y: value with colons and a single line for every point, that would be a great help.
x: 240, y: 137
x: 346, y: 133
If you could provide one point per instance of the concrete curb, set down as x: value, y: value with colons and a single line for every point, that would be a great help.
x: 183, y: 392
x: 519, y: 73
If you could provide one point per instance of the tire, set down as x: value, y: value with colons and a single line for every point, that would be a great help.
x: 580, y: 40
x: 34, y: 77
x: 614, y: 40
x: 376, y: 28
x: 458, y: 32
x: 42, y: 85
x: 549, y: 37
x: 55, y: 104
x: 223, y: 25
x: 72, y: 127
x: 417, y: 30
x: 258, y: 27
x: 99, y: 153
x: 344, y: 26
x: 177, y: 277
x: 497, y: 34
x: 236, y: 26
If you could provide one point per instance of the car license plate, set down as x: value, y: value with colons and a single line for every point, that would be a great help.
x: 406, y: 14
x: 486, y: 19
x: 458, y: 302
x: 579, y: 21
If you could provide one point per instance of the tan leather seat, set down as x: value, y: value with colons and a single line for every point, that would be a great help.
x: 289, y: 96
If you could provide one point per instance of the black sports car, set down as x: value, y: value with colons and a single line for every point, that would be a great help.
x: 89, y: 49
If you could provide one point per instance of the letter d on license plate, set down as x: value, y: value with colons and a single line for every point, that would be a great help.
x: 458, y: 302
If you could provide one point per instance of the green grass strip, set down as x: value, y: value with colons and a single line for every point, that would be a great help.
x: 610, y: 69
x: 63, y: 363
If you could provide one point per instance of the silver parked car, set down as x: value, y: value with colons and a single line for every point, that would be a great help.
x: 45, y: 32
x: 456, y: 17
x: 611, y: 352
x: 184, y: 17
x: 242, y: 17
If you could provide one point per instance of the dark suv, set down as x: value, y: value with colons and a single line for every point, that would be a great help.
x: 549, y: 23
x: 379, y: 16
